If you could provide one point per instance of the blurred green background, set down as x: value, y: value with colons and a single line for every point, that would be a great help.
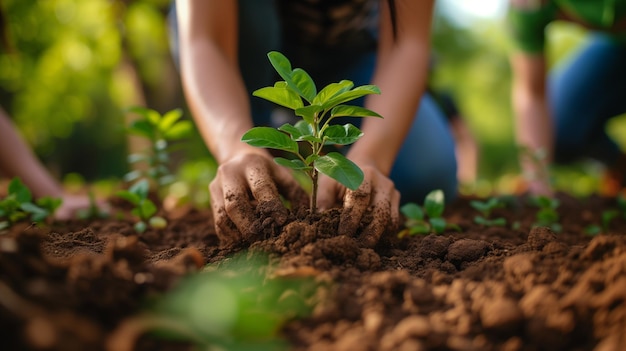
x: 73, y: 66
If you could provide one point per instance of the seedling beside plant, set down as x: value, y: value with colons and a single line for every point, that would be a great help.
x: 144, y: 208
x: 299, y: 93
x: 486, y: 208
x: 605, y: 222
x: 427, y: 218
x: 18, y: 206
x: 547, y: 215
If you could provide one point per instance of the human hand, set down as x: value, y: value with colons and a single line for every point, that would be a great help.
x: 376, y: 194
x: 246, y: 184
x: 72, y: 205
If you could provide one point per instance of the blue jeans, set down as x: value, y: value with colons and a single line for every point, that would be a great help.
x: 426, y: 160
x: 584, y: 93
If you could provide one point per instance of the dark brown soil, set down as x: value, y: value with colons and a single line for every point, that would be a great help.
x: 76, y: 285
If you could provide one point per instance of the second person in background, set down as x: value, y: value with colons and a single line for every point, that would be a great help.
x: 221, y: 48
x: 564, y: 112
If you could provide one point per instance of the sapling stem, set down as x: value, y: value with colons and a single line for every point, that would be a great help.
x: 298, y: 92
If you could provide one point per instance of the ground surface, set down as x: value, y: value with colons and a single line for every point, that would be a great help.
x: 75, y: 285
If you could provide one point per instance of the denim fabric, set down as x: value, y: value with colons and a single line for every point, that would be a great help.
x: 584, y: 93
x: 426, y: 160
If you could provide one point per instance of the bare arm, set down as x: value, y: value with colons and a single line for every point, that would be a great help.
x: 212, y: 83
x: 247, y: 178
x: 534, y: 129
x: 399, y: 99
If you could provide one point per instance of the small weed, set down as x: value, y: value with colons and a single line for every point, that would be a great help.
x: 605, y: 222
x: 547, y: 215
x: 428, y: 218
x: 485, y: 208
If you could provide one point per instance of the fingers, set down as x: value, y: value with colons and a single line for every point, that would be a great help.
x: 244, y: 192
x: 377, y: 197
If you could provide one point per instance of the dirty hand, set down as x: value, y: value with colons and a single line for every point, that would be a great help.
x: 247, y: 183
x: 377, y: 194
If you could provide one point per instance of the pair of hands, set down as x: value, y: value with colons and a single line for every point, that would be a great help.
x: 251, y: 182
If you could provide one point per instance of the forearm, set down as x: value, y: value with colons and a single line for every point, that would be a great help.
x: 533, y: 125
x: 397, y: 103
x: 217, y: 99
x: 18, y: 160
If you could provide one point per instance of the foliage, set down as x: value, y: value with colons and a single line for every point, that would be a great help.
x: 159, y: 130
x: 485, y: 208
x: 427, y: 218
x: 547, y: 215
x: 314, y: 128
x: 605, y: 221
x: 144, y: 208
x: 18, y: 205
x: 237, y: 305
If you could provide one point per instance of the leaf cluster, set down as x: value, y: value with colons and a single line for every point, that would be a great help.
x: 427, y: 218
x: 144, y: 208
x: 486, y: 208
x: 19, y: 205
x: 547, y: 215
x: 298, y: 92
x: 159, y: 130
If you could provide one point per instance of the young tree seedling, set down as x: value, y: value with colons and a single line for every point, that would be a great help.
x: 427, y: 218
x: 547, y: 215
x: 18, y: 205
x: 144, y: 209
x: 485, y: 208
x: 159, y: 130
x: 298, y: 92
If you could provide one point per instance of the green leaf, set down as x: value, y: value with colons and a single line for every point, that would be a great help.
x: 352, y: 111
x: 282, y: 96
x: 434, y: 203
x: 296, y: 164
x: 593, y: 229
x: 438, y: 224
x: 142, y: 127
x: 298, y: 131
x: 169, y: 118
x: 128, y: 196
x: 267, y: 137
x: 341, y: 135
x: 141, y: 188
x: 20, y: 191
x: 132, y: 175
x: 338, y: 167
x: 49, y: 203
x: 351, y: 95
x: 412, y: 210
x: 38, y: 214
x: 151, y: 116
x: 179, y: 130
x: 419, y: 228
x: 309, y: 113
x: 147, y: 208
x: 4, y: 225
x: 303, y: 84
x: 281, y: 64
x: 332, y: 90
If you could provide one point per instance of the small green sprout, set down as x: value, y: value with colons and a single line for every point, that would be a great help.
x: 605, y: 222
x: 428, y: 218
x: 547, y: 215
x: 317, y: 111
x: 159, y: 130
x: 485, y: 208
x: 18, y: 205
x: 144, y: 209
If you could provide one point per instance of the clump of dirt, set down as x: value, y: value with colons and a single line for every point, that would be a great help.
x: 72, y: 285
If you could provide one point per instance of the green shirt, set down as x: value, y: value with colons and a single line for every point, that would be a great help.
x: 527, y: 23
